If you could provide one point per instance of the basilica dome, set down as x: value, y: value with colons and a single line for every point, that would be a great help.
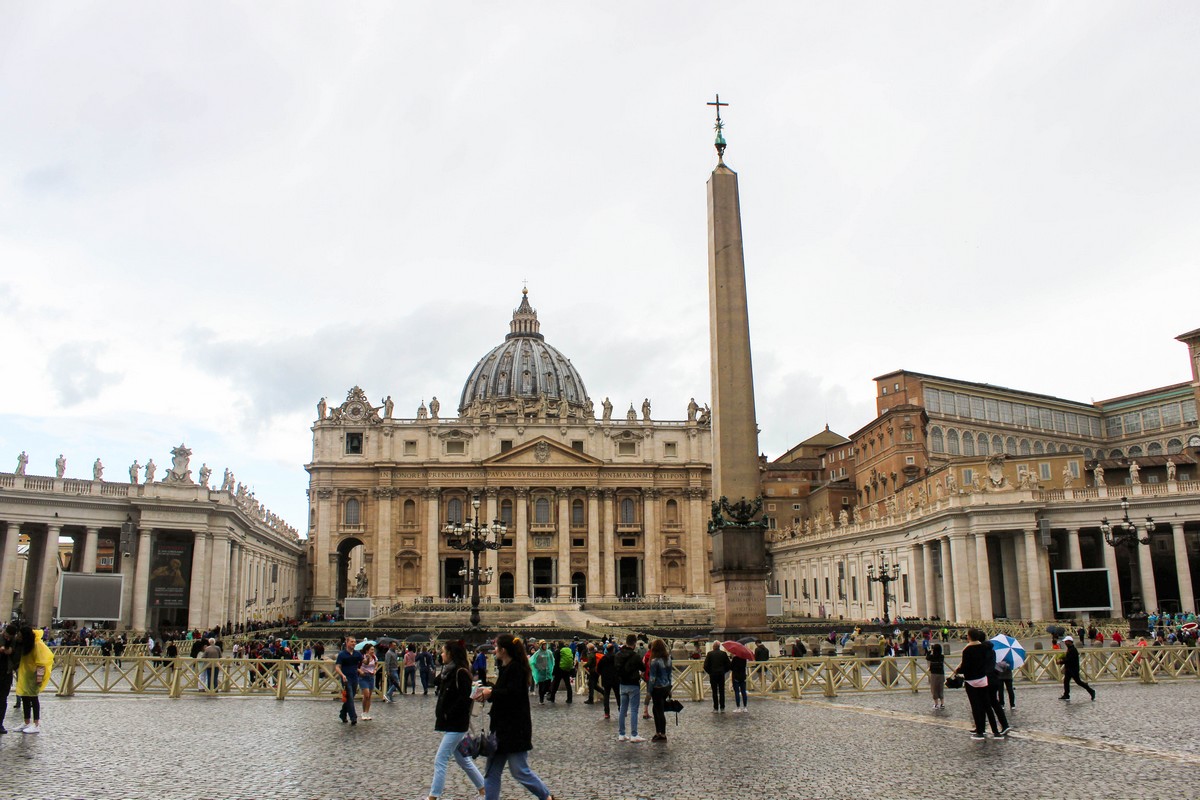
x: 524, y: 367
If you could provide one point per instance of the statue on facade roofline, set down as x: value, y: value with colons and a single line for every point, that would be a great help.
x: 434, y: 407
x: 322, y: 407
x: 705, y: 415
x: 1068, y: 479
x: 1170, y: 470
x: 692, y: 410
x: 151, y: 468
x: 646, y: 409
x: 60, y: 466
x: 608, y: 408
x: 388, y: 406
x: 98, y: 470
x: 1135, y: 473
x: 134, y: 470
x: 1098, y: 475
x: 205, y: 474
x: 22, y: 462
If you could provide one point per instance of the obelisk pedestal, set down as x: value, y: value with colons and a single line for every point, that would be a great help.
x: 739, y: 573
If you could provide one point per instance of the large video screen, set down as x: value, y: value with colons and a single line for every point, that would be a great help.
x: 1082, y: 590
x: 91, y: 597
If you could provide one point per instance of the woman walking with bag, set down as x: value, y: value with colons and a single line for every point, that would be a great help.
x: 511, y: 721
x: 660, y: 686
x: 453, y: 717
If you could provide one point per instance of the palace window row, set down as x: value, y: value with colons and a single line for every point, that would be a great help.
x: 968, y: 443
x: 1006, y: 412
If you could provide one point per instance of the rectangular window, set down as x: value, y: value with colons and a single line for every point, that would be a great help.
x: 827, y: 588
x: 910, y: 459
x: 1189, y: 411
x: 770, y: 506
x: 770, y: 491
x: 505, y: 445
x: 795, y: 506
x: 1006, y: 411
x: 628, y: 542
x: 670, y: 449
x: 456, y: 448
x: 1073, y: 423
x: 992, y: 408
x: 1096, y: 427
x: 1170, y: 415
x: 795, y: 491
x: 968, y: 477
x: 854, y: 588
x: 963, y: 404
x: 771, y: 523
x: 577, y: 445
x: 1074, y: 467
x: 1035, y: 417
x: 904, y: 587
x: 107, y: 561
x: 1060, y: 421
x: 933, y: 400
x: 1047, y: 419
x: 1152, y: 479
x: 977, y: 408
x: 1113, y: 426
x: 354, y: 444
x: 1044, y: 471
x: 578, y: 542
x: 1019, y: 413
x: 1132, y: 422
x: 1150, y: 419
x: 627, y: 448
x: 410, y: 447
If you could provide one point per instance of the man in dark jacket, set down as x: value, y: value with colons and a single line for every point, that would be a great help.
x: 1070, y: 665
x: 761, y: 653
x: 629, y: 675
x: 607, y: 669
x: 716, y: 665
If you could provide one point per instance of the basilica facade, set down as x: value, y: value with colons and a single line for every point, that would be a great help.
x: 595, y: 507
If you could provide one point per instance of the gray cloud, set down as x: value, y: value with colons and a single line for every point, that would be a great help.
x: 75, y: 375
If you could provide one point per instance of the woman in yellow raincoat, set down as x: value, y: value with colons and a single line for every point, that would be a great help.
x: 33, y: 674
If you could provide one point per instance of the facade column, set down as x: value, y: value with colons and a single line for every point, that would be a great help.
x: 609, y: 536
x: 1033, y: 576
x: 47, y: 578
x: 917, y: 559
x: 653, y: 539
x: 431, y: 583
x: 563, y: 571
x: 962, y: 580
x: 231, y: 597
x: 1187, y: 594
x: 491, y: 514
x: 91, y: 545
x: 594, y: 544
x: 984, y: 572
x: 324, y: 555
x: 197, y: 592
x: 521, y: 590
x: 381, y: 581
x: 1114, y: 580
x: 1146, y: 573
x: 1074, y: 558
x: 697, y: 542
x: 218, y: 578
x: 141, y: 583
x: 9, y: 534
x: 948, y: 582
x: 930, y: 587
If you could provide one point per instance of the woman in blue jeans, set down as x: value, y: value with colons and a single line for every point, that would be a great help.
x: 453, y: 718
x: 511, y: 721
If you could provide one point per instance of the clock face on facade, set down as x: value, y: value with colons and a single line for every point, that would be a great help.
x: 355, y: 411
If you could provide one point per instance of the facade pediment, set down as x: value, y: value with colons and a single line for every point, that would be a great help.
x: 545, y: 453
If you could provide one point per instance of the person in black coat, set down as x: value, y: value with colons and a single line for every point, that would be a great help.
x: 716, y: 665
x: 607, y: 669
x: 977, y: 666
x: 452, y: 717
x: 1070, y: 665
x: 511, y: 721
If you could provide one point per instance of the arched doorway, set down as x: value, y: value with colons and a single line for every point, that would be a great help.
x: 351, y: 556
x: 579, y: 580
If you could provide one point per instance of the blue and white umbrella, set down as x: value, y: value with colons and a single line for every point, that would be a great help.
x: 1008, y: 650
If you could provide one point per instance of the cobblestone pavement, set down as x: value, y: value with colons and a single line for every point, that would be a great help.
x: 1135, y: 741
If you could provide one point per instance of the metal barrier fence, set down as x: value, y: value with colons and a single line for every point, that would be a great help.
x: 786, y: 677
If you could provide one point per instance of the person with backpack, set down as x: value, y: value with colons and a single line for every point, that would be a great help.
x: 564, y: 669
x: 1004, y: 681
x: 629, y: 676
x: 479, y: 667
x: 607, y: 670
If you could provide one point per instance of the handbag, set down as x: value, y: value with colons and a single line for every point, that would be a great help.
x: 955, y: 682
x: 478, y: 742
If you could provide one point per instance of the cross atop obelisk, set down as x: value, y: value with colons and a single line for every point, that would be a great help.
x: 739, y: 554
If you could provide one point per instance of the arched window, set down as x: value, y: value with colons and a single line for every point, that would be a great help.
x: 1025, y: 447
x: 1116, y: 453
x: 1135, y: 451
x: 353, y: 512
x: 1010, y: 445
x: 1154, y: 449
x: 410, y: 512
x: 936, y: 442
x: 577, y: 518
x: 1051, y: 449
x: 1088, y: 454
x: 506, y: 514
x: 952, y: 442
x: 627, y: 512
x: 997, y: 445
x: 454, y: 511
x: 1039, y: 448
x: 1174, y: 447
x: 672, y: 512
x: 968, y: 443
x: 983, y: 444
x: 541, y: 511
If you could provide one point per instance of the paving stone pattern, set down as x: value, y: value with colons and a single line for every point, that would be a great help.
x: 1135, y: 741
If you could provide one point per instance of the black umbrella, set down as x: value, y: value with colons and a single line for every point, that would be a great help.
x: 417, y: 637
x: 747, y: 639
x: 1055, y: 630
x: 387, y: 640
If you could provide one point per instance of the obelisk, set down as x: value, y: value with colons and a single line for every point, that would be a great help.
x: 739, y: 572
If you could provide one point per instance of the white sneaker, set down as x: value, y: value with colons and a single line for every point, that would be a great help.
x: 366, y: 717
x: 32, y: 728
x: 636, y: 739
x: 622, y: 738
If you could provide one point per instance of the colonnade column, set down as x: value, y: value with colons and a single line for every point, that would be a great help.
x: 491, y: 514
x: 1146, y: 572
x: 91, y: 544
x: 697, y: 541
x: 961, y: 581
x: 917, y: 560
x: 563, y: 575
x: 1114, y: 580
x: 984, y: 574
x: 141, y: 582
x: 948, y: 559
x: 608, y: 535
x: 231, y: 599
x: 1074, y: 558
x: 521, y: 590
x: 594, y: 543
x: 197, y: 594
x: 9, y: 534
x: 652, y: 585
x: 1187, y: 594
x: 431, y: 582
x: 218, y: 578
x: 929, y: 589
x: 1037, y: 609
x: 47, y: 578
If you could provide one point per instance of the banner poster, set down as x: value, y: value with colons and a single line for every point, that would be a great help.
x: 170, y: 572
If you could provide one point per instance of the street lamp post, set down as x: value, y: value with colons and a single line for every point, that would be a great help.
x: 475, y: 536
x: 1124, y: 533
x: 883, y: 575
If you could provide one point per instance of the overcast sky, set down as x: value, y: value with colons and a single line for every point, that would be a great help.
x: 213, y: 214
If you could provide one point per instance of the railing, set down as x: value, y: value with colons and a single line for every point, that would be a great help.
x: 792, y: 677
